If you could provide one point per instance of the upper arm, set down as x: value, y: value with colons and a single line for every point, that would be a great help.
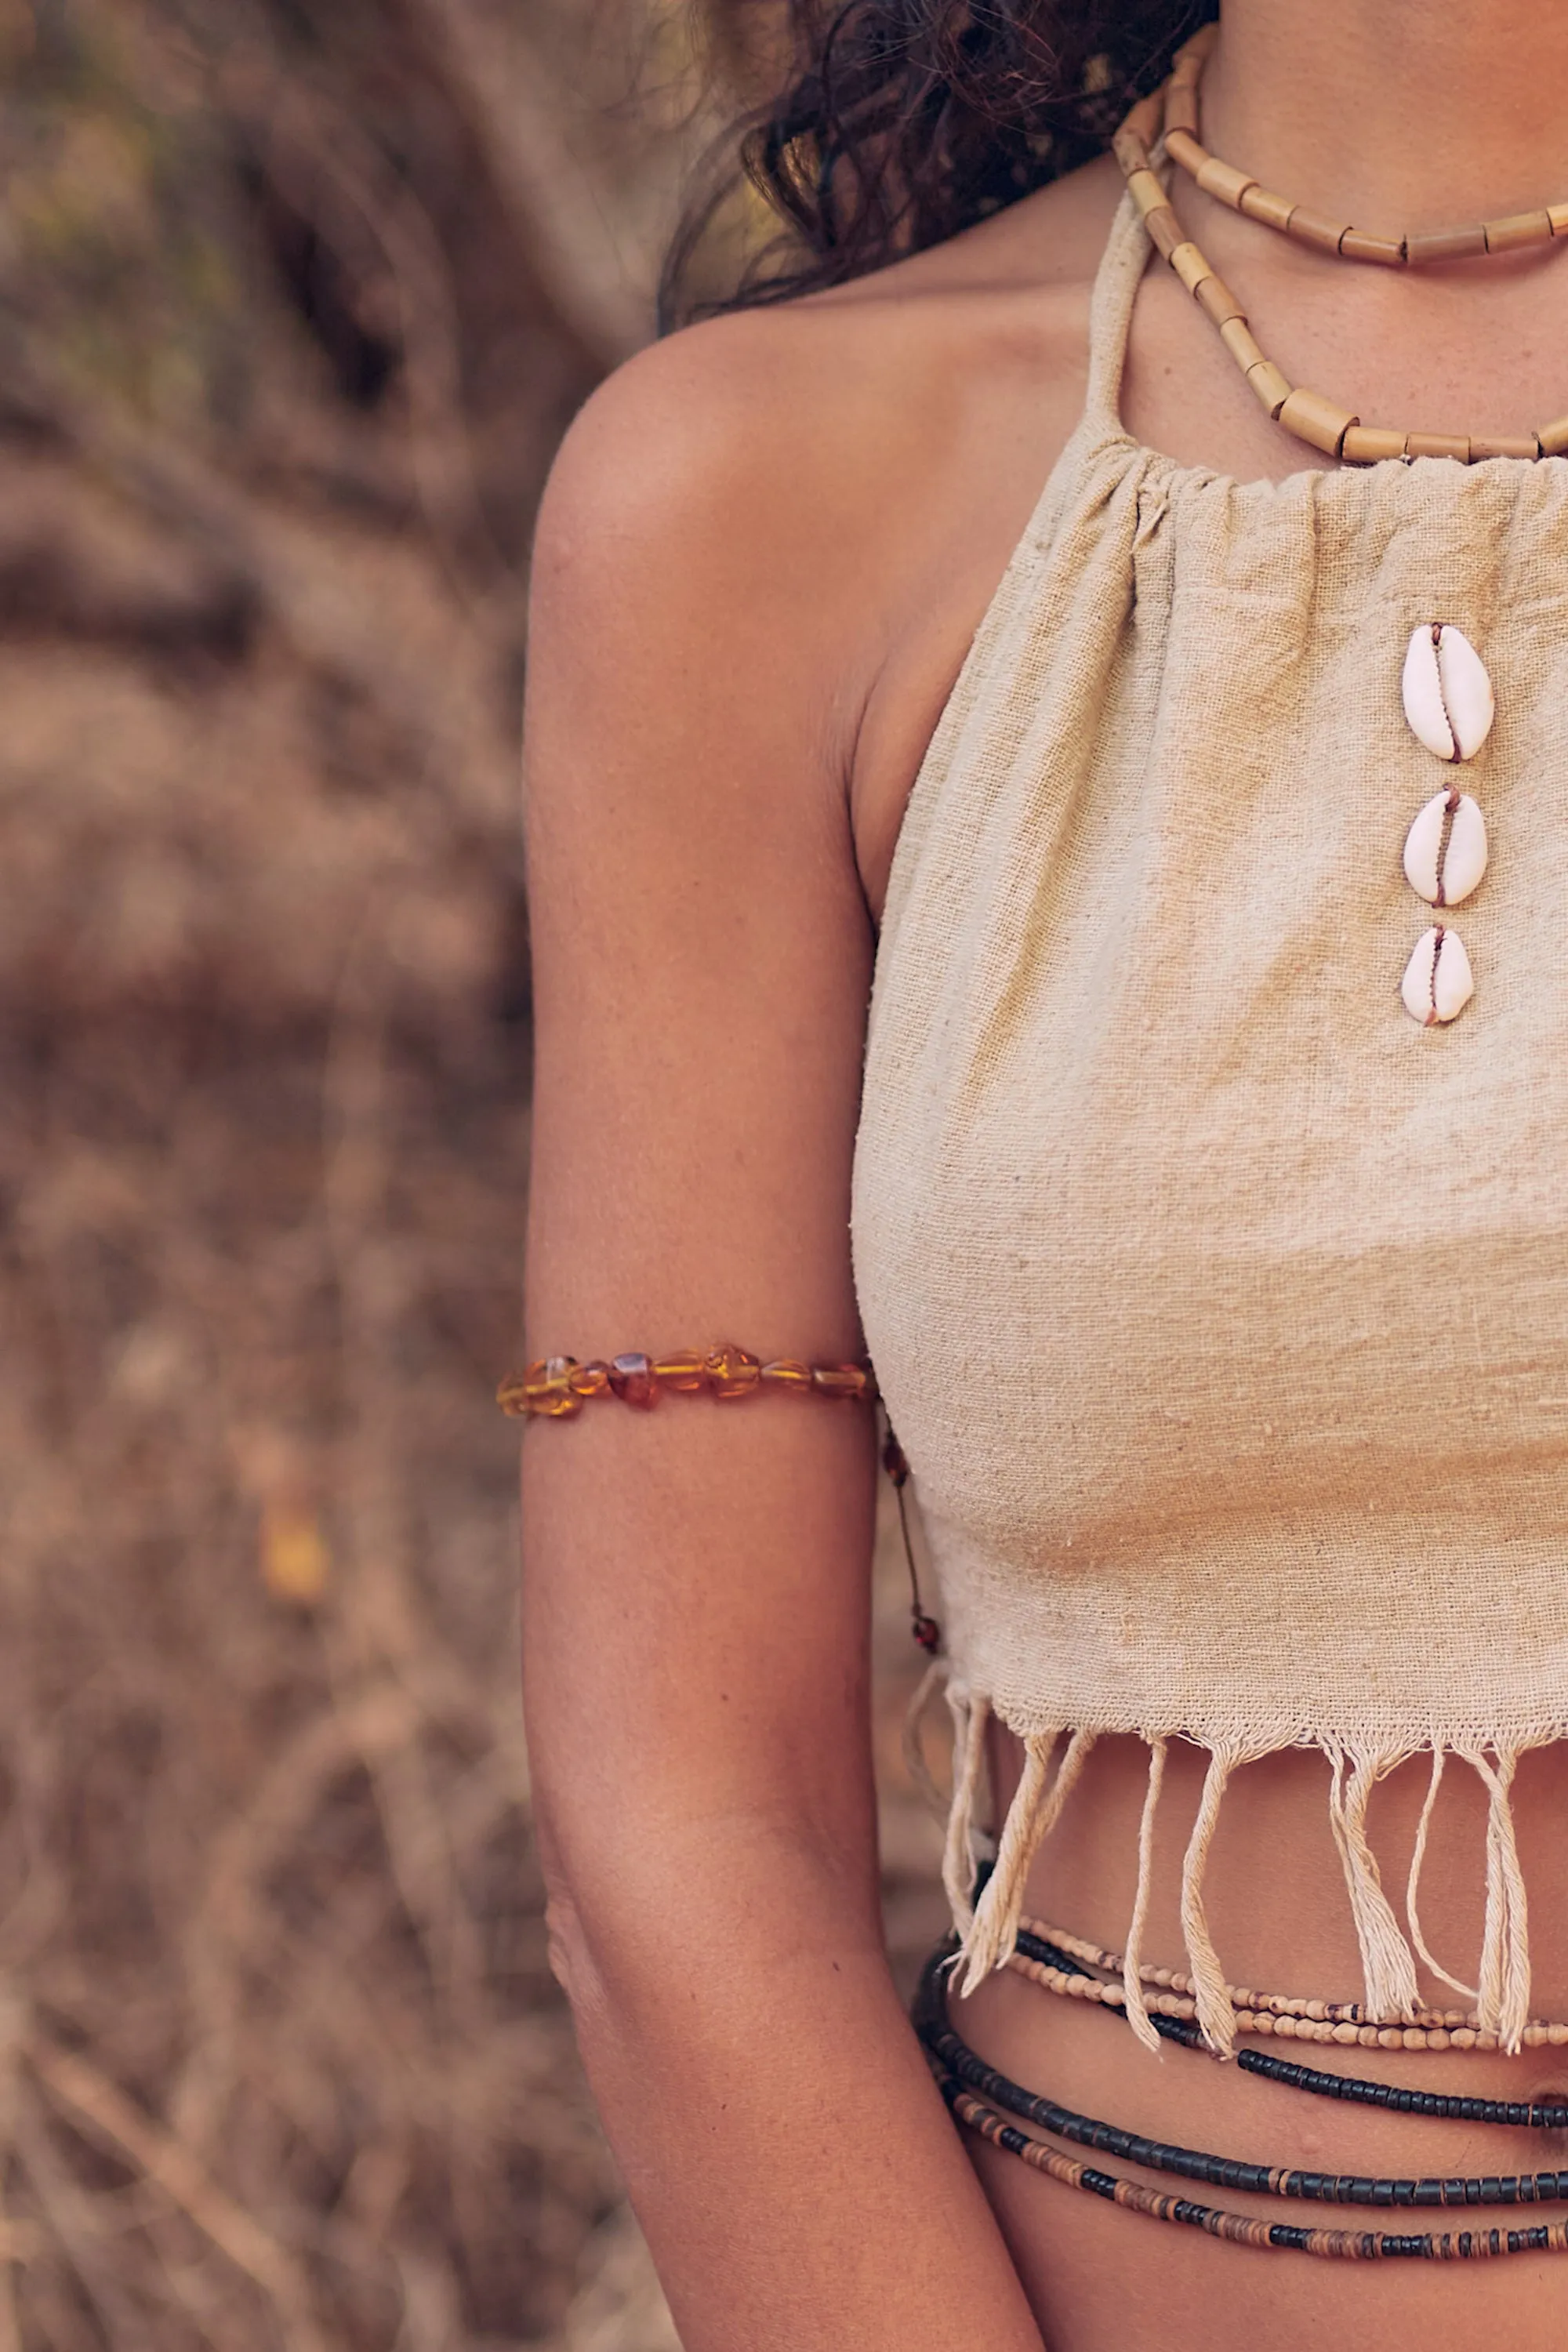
x: 701, y: 945
x: 695, y: 1577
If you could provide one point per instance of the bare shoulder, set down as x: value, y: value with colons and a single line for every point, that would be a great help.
x: 751, y: 436
x: 769, y: 539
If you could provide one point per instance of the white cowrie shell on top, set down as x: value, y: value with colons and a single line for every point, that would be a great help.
x: 1448, y: 694
x: 1438, y: 982
x: 1446, y: 849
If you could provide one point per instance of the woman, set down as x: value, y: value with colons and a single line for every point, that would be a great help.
x: 1207, y: 1241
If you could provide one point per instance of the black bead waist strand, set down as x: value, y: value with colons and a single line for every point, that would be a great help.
x: 964, y: 2067
x: 945, y: 2055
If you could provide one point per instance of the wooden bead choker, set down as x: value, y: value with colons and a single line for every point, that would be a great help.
x: 1310, y: 415
x: 1245, y: 195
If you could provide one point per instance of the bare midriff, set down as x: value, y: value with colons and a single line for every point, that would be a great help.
x: 1106, y: 2280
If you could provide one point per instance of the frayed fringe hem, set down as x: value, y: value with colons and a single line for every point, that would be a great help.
x: 1053, y: 1760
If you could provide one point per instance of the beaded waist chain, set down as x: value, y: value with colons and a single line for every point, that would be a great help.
x: 981, y: 2099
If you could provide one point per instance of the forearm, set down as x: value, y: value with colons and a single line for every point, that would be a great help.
x: 786, y: 2151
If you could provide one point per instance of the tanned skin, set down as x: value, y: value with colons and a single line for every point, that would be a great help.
x: 762, y: 555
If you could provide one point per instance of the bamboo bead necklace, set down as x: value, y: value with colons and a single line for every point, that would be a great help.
x: 1313, y: 418
x: 1243, y: 194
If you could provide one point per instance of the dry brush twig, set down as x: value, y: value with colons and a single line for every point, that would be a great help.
x: 169, y: 2165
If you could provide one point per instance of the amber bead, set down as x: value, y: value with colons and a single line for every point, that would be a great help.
x: 631, y: 1377
x: 731, y: 1373
x: 786, y: 1372
x: 549, y: 1391
x: 685, y: 1371
x: 591, y: 1379
x: 522, y: 1394
x: 845, y: 1382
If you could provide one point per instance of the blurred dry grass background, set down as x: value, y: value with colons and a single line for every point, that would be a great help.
x: 296, y: 298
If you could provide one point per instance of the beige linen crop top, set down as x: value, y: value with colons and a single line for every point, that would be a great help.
x: 1221, y: 1309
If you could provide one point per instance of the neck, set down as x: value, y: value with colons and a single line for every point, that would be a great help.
x: 1399, y: 114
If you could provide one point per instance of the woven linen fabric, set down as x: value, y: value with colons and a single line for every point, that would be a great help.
x: 1222, y: 1310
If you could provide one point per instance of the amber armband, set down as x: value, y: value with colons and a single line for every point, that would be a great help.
x: 556, y: 1387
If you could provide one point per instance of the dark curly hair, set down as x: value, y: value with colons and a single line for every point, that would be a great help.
x: 898, y: 122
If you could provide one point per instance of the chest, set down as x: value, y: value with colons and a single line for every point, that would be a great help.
x: 1151, y: 1148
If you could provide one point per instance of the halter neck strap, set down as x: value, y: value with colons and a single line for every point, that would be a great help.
x: 1116, y: 284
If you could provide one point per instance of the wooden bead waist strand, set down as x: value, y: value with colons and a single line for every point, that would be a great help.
x: 1240, y: 2229
x: 1313, y: 418
x: 1245, y: 195
x: 1286, y: 2014
x: 1433, y: 2106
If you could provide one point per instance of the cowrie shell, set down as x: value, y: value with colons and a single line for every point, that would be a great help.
x: 1438, y: 982
x: 1446, y: 849
x: 1448, y: 694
